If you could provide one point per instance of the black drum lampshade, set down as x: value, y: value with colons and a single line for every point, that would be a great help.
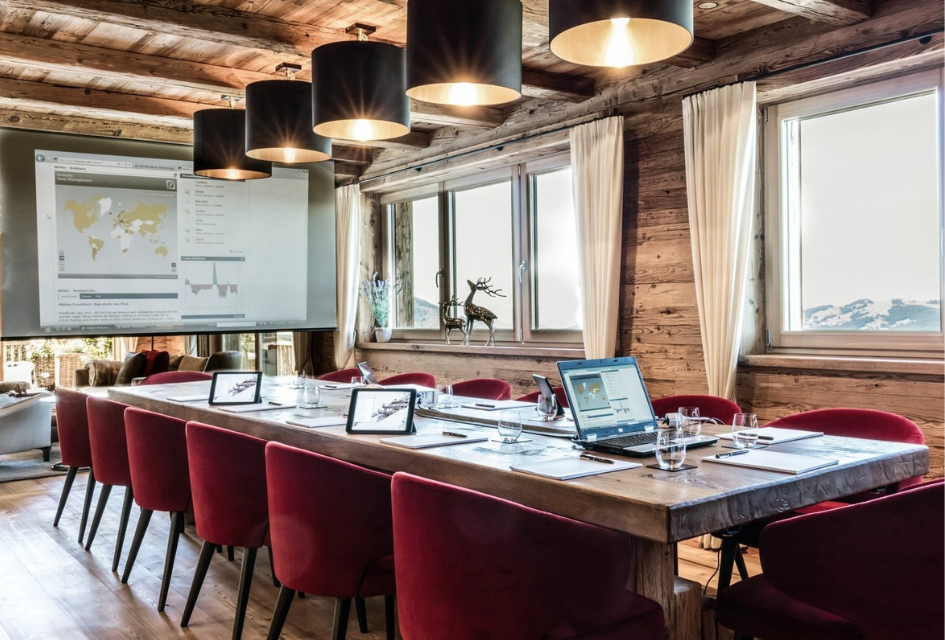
x: 359, y: 91
x: 279, y: 123
x: 220, y: 147
x: 619, y: 33
x: 464, y: 52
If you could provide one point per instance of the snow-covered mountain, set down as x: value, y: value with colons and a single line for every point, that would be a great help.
x: 896, y: 315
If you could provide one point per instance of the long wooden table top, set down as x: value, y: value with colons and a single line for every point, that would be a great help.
x: 653, y: 504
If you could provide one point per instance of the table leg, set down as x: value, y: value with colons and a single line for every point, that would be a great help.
x: 681, y: 599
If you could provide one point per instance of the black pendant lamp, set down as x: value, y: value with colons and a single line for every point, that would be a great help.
x: 619, y: 33
x: 279, y: 121
x: 359, y: 89
x: 464, y: 52
x: 220, y: 146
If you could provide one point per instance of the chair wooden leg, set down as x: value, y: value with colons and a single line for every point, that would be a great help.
x: 143, y: 521
x: 361, y: 613
x: 87, y: 506
x: 726, y: 561
x: 740, y: 563
x: 203, y: 563
x: 66, y: 488
x: 272, y: 569
x: 281, y: 612
x: 122, y: 526
x: 339, y: 627
x: 99, y: 510
x: 177, y: 528
x: 229, y: 554
x: 47, y: 451
x: 242, y: 597
x: 389, y: 616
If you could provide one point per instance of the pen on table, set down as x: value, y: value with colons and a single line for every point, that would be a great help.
x: 453, y: 433
x: 276, y: 404
x: 731, y: 453
x: 764, y: 437
x: 483, y: 404
x: 585, y: 456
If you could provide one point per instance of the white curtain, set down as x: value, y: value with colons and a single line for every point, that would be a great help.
x: 347, y: 257
x: 190, y: 345
x: 720, y: 143
x: 597, y: 167
x: 122, y: 347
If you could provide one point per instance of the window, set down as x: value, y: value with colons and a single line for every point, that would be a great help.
x: 854, y: 218
x: 503, y: 239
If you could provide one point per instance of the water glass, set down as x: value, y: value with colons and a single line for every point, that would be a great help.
x: 744, y: 430
x: 298, y: 382
x: 357, y: 381
x: 510, y: 427
x: 671, y: 448
x: 547, y: 407
x: 310, y: 395
x: 690, y: 421
x: 444, y: 394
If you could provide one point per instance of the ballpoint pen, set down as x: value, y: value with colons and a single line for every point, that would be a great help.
x: 731, y: 453
x: 483, y: 404
x: 585, y: 456
x: 453, y: 433
x: 276, y: 404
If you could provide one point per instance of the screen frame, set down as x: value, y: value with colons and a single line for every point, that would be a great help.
x: 213, y: 401
x: 352, y: 428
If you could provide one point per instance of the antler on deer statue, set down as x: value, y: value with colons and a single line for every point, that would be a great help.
x: 475, y: 312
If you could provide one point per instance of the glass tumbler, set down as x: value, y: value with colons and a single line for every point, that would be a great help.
x: 310, y: 395
x: 745, y: 430
x: 510, y: 427
x: 671, y: 448
x: 689, y: 421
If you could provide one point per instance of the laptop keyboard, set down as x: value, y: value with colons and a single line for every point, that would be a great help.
x: 632, y: 440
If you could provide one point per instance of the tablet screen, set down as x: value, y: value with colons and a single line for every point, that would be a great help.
x: 235, y: 387
x: 381, y: 411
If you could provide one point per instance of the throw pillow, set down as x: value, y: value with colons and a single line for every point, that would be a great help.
x: 131, y: 368
x: 174, y: 362
x: 190, y: 363
x: 102, y: 373
x: 14, y: 387
x: 157, y: 362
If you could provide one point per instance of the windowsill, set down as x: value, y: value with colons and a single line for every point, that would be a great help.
x: 860, y: 365
x: 573, y: 353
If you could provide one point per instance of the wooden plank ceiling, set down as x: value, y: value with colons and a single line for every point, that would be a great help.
x: 140, y: 68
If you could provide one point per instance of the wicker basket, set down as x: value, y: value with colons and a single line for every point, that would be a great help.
x: 66, y: 364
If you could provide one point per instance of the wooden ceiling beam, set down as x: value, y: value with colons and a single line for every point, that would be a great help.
x: 830, y: 11
x: 556, y: 86
x: 351, y: 155
x: 699, y: 52
x: 19, y: 116
x: 347, y: 171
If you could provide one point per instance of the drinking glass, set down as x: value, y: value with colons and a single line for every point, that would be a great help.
x: 744, y: 430
x: 547, y: 408
x: 298, y: 382
x: 671, y: 448
x: 357, y: 381
x: 444, y: 396
x: 689, y: 421
x: 510, y: 428
x: 310, y: 394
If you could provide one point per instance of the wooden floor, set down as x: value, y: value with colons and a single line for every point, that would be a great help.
x: 50, y: 587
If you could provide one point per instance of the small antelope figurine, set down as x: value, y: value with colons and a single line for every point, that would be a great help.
x: 449, y: 321
x: 475, y: 312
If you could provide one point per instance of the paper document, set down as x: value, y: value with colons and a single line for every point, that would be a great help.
x: 428, y: 440
x: 496, y: 405
x: 773, y: 461
x: 777, y: 435
x: 190, y: 398
x: 330, y: 421
x: 568, y: 468
x: 247, y: 408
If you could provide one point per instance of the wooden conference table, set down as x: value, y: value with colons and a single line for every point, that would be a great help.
x: 657, y: 508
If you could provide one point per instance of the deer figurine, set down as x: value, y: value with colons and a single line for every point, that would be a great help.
x: 475, y: 312
x: 449, y: 321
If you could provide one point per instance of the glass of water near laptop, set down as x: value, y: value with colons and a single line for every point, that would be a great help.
x: 745, y: 430
x: 510, y: 426
x: 689, y: 421
x: 671, y: 447
x: 357, y: 381
x: 444, y: 396
x: 547, y: 408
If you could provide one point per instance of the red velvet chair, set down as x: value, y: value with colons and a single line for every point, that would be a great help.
x: 868, y: 571
x: 73, y: 424
x: 721, y: 409
x: 344, y: 375
x: 471, y: 566
x: 331, y: 533
x: 157, y: 457
x: 420, y: 378
x: 110, y: 461
x: 484, y: 388
x: 850, y: 423
x: 228, y: 480
x: 170, y: 377
x: 559, y: 392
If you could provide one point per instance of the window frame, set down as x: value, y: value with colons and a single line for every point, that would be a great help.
x: 522, y: 221
x: 777, y: 226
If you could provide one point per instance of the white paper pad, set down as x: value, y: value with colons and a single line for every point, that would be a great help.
x: 247, y: 408
x: 775, y: 461
x: 190, y: 398
x: 330, y: 421
x: 568, y: 468
x: 497, y: 405
x: 776, y: 435
x: 428, y: 440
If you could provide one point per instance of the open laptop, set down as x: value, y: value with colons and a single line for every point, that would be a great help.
x: 611, y: 409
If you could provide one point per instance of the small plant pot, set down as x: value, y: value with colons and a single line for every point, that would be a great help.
x: 382, y: 334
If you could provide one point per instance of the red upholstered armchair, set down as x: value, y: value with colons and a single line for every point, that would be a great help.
x: 882, y: 583
x: 420, y: 378
x: 471, y: 566
x: 344, y: 375
x: 485, y: 388
x: 170, y: 377
x: 721, y: 409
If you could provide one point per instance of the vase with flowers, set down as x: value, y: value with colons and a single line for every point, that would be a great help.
x: 378, y: 293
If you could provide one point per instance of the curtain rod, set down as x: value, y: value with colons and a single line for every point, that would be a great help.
x: 927, y: 36
x: 498, y: 146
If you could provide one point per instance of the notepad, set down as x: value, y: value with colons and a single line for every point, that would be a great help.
x: 775, y: 461
x: 776, y: 435
x: 568, y: 468
x: 247, y: 408
x: 429, y: 440
x: 497, y: 405
x: 312, y: 423
x: 190, y: 398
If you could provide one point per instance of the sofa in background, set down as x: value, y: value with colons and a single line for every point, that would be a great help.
x: 112, y: 373
x: 25, y: 423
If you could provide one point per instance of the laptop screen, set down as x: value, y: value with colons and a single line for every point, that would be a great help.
x: 607, y: 397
